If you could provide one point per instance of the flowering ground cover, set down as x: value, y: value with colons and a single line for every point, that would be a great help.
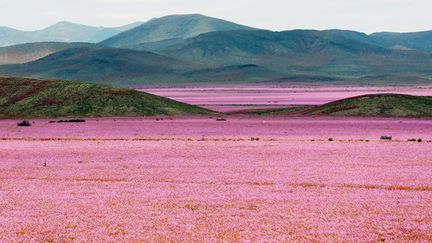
x: 198, y: 179
x: 235, y: 98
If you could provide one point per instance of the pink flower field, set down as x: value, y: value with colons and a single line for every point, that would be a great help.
x: 260, y: 179
x: 234, y: 98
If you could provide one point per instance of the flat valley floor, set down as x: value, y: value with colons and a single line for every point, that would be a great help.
x: 235, y: 98
x: 198, y: 179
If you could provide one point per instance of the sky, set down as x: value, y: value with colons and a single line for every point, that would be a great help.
x: 360, y: 15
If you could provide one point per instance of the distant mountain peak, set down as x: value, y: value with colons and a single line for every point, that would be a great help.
x: 64, y: 22
x: 178, y: 26
x: 63, y: 31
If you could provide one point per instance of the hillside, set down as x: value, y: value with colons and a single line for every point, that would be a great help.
x: 129, y: 67
x: 381, y: 105
x: 108, y: 65
x: 32, y: 98
x: 170, y: 29
x: 375, y: 105
x: 239, y: 46
x: 415, y: 40
x: 61, y: 32
x: 301, y: 52
x: 23, y: 53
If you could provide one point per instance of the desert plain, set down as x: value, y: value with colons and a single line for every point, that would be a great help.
x: 242, y: 178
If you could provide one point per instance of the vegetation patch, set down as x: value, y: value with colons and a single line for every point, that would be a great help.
x: 36, y: 98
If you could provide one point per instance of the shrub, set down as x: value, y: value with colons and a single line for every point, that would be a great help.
x: 386, y: 137
x: 24, y: 123
x: 72, y: 121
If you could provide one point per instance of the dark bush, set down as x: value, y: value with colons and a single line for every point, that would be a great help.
x: 415, y: 140
x: 386, y: 137
x: 72, y: 121
x: 24, y: 123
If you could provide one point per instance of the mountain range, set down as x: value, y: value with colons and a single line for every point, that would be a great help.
x: 179, y: 49
x: 61, y: 32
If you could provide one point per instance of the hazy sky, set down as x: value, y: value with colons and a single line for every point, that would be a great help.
x: 362, y: 15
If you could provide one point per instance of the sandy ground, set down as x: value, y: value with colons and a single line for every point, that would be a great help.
x: 234, y: 98
x: 196, y: 179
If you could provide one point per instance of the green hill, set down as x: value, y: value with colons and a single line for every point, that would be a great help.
x: 379, y: 105
x: 172, y: 27
x: 375, y: 105
x: 35, y: 98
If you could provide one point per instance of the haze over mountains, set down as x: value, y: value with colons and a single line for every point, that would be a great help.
x: 181, y: 49
x: 61, y: 32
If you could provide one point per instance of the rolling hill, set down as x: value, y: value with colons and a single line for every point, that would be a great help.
x: 380, y: 105
x: 36, y: 98
x: 61, y: 32
x: 23, y: 53
x: 375, y: 105
x: 165, y: 31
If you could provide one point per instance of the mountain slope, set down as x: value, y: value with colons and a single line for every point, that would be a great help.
x: 173, y: 27
x: 305, y: 52
x: 416, y: 40
x: 213, y: 47
x: 129, y: 67
x: 61, y: 32
x: 31, y: 98
x: 23, y: 53
x: 9, y: 36
x: 109, y: 65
